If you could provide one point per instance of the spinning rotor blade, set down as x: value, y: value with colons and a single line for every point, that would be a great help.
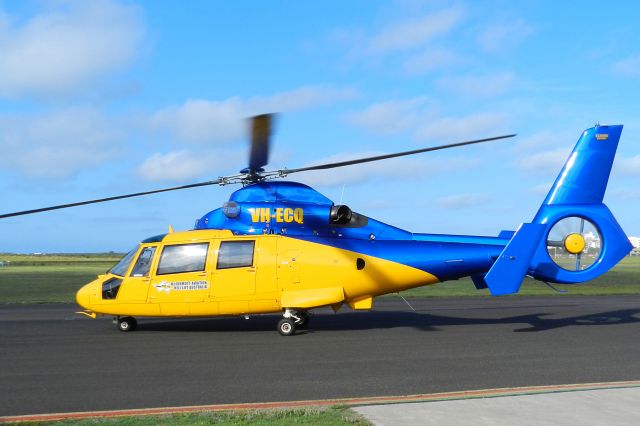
x: 260, y: 139
x: 580, y: 254
x: 102, y: 200
x: 386, y: 156
x: 261, y: 128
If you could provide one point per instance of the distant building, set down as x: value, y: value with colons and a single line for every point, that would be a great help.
x: 592, y: 241
x: 635, y: 242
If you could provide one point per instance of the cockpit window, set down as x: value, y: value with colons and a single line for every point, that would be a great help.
x: 143, y: 264
x: 122, y: 266
x: 183, y: 258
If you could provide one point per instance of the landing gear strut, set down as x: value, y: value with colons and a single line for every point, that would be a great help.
x: 126, y: 323
x: 292, y: 320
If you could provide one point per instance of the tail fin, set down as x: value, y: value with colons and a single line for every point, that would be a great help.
x: 573, y: 237
x: 584, y: 177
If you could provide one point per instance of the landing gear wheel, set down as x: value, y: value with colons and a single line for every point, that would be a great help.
x: 127, y: 324
x: 286, y: 327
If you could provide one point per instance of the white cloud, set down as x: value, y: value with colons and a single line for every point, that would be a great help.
x: 183, y: 165
x: 473, y: 126
x: 388, y: 117
x: 483, y: 86
x: 627, y: 67
x: 544, y: 162
x: 544, y: 153
x: 504, y: 36
x: 63, y: 50
x: 418, y: 117
x: 541, y: 189
x: 629, y: 166
x: 223, y: 121
x: 545, y: 140
x: 57, y: 145
x: 461, y: 201
x: 627, y: 194
x: 300, y: 98
x: 429, y: 60
x: 415, y: 32
x: 203, y: 121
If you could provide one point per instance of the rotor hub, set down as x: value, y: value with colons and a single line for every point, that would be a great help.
x: 574, y: 243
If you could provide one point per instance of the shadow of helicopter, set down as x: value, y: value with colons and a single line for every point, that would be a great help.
x: 392, y: 319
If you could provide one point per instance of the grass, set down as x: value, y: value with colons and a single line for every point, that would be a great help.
x: 56, y: 278
x: 49, y: 278
x: 624, y: 278
x: 333, y: 416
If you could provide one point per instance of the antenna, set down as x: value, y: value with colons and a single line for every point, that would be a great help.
x: 342, y: 194
x: 406, y: 301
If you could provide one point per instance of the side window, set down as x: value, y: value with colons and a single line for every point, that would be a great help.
x: 143, y: 264
x: 235, y: 254
x: 183, y: 258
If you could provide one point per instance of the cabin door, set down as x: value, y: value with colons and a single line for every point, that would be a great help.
x: 234, y: 274
x: 181, y: 275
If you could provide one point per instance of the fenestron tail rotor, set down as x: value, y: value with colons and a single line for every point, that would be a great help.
x: 261, y: 130
x: 574, y: 243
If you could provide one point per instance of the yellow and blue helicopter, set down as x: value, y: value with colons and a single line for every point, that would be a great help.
x: 279, y: 246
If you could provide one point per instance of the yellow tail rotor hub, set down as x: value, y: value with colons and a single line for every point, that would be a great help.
x: 574, y: 243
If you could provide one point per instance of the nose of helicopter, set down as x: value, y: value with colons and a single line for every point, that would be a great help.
x: 83, y: 296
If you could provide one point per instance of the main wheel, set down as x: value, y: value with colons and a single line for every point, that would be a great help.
x: 127, y: 324
x: 286, y: 327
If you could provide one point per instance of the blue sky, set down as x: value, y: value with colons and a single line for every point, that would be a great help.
x: 108, y: 97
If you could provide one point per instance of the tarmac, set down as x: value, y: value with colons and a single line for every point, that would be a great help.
x: 55, y: 361
x: 610, y: 403
x: 588, y: 407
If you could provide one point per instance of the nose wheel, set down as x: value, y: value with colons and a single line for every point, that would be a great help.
x: 292, y: 320
x: 127, y: 323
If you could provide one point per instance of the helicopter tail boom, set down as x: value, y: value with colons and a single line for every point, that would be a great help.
x: 574, y: 237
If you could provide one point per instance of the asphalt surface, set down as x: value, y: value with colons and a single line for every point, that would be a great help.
x: 54, y: 361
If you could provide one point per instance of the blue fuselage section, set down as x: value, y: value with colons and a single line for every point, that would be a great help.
x: 298, y: 211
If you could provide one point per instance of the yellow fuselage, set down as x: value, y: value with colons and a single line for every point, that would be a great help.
x: 281, y: 273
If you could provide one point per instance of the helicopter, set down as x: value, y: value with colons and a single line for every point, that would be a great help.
x: 279, y: 246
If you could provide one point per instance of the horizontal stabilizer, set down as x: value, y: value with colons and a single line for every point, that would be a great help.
x: 506, y: 234
x: 507, y: 273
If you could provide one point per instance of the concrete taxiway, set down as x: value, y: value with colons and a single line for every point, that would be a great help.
x: 594, y: 407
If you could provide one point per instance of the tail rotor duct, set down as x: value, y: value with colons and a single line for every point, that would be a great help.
x: 574, y: 243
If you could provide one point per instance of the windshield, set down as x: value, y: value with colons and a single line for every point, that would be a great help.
x: 122, y: 266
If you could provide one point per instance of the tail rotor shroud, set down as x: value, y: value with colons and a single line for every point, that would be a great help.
x: 574, y: 237
x: 574, y: 243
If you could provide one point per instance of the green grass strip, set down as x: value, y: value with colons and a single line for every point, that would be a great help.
x: 330, y: 416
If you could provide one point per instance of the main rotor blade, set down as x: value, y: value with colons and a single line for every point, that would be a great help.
x: 260, y: 139
x: 386, y: 156
x: 102, y: 200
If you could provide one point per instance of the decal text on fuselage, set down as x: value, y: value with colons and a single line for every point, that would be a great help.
x: 279, y: 214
